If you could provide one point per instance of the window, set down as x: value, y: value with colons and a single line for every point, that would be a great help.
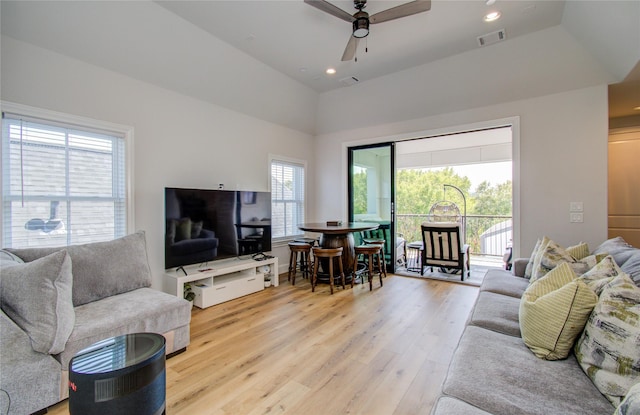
x: 62, y: 183
x: 287, y: 198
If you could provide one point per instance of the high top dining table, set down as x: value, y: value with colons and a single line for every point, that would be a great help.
x: 340, y: 236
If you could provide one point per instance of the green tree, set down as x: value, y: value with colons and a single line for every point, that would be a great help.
x: 360, y: 193
x: 493, y: 200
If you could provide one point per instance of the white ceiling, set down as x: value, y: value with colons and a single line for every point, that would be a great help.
x: 302, y: 41
x: 182, y: 45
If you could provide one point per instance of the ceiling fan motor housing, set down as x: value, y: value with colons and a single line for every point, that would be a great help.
x: 361, y: 24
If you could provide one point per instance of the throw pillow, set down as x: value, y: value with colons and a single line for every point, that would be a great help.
x: 632, y: 267
x: 553, y: 254
x: 529, y: 268
x: 553, y: 312
x: 538, y: 256
x: 602, y: 274
x: 37, y: 297
x: 196, y: 228
x: 618, y: 248
x: 609, y: 349
x: 630, y: 405
x: 102, y: 269
x: 7, y: 259
x: 579, y: 251
x: 183, y: 229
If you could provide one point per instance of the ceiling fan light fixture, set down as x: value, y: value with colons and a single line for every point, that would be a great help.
x: 361, y: 27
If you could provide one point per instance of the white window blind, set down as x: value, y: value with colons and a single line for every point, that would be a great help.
x: 287, y: 198
x: 61, y: 184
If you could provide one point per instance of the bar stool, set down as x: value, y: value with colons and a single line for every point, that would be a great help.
x: 304, y: 250
x: 371, y: 251
x: 381, y: 259
x: 310, y: 241
x: 331, y: 254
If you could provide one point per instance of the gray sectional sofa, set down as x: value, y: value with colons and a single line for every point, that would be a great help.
x: 57, y: 301
x: 494, y: 372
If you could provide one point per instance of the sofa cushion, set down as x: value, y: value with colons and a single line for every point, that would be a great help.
x: 37, y: 296
x: 499, y: 374
x: 29, y: 380
x: 630, y: 405
x: 141, y: 310
x: 102, y: 269
x: 553, y: 254
x: 632, y: 267
x: 553, y: 312
x: 502, y: 282
x: 609, y: 348
x: 496, y: 312
x: 618, y: 248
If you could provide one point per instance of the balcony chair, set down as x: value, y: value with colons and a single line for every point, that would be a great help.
x: 442, y: 247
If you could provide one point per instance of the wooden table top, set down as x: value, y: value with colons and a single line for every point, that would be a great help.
x: 346, y: 227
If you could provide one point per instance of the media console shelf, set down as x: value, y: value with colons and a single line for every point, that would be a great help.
x: 223, y: 280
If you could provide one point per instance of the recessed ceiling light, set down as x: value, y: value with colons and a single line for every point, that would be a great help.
x: 330, y: 71
x: 490, y: 2
x: 492, y: 16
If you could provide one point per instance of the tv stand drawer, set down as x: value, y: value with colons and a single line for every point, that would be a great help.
x: 227, y: 289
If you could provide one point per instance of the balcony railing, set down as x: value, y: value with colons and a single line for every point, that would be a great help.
x: 486, y: 234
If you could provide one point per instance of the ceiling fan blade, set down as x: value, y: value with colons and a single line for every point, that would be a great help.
x: 407, y: 9
x: 327, y: 7
x: 350, y: 50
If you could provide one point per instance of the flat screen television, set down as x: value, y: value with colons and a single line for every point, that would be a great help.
x: 206, y: 225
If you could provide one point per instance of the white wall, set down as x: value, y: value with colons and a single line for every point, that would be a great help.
x: 560, y: 156
x: 179, y: 141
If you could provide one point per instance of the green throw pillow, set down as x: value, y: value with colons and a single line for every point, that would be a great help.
x: 183, y: 229
x: 553, y: 312
x: 37, y: 297
x: 609, y: 348
x: 579, y: 251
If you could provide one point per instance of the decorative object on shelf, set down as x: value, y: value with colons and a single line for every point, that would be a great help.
x: 189, y: 295
x: 266, y: 270
x: 334, y: 223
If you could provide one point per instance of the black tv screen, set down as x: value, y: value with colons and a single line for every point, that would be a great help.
x: 207, y: 225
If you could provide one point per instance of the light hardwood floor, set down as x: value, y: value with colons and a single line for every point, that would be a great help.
x: 287, y: 350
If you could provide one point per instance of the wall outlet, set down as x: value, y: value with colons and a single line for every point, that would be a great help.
x: 575, y: 217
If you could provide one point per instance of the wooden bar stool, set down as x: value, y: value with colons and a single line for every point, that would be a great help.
x: 371, y: 251
x: 381, y: 259
x: 333, y: 255
x: 302, y: 264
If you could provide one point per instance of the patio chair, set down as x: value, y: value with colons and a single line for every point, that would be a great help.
x: 442, y: 247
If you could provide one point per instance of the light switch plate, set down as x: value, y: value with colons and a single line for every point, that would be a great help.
x: 575, y: 207
x: 576, y: 217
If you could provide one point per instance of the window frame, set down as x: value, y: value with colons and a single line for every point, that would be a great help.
x: 288, y: 160
x: 88, y: 124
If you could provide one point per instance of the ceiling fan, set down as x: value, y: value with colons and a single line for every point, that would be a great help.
x: 361, y: 19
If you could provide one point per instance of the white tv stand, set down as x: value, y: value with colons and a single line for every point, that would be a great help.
x: 223, y: 280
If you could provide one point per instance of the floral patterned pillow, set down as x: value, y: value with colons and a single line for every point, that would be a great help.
x: 553, y: 255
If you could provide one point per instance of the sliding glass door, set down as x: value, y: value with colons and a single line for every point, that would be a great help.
x: 372, y: 194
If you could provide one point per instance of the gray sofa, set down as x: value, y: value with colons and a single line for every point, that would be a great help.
x: 494, y: 372
x: 57, y: 301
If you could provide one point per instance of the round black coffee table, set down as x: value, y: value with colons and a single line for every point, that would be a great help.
x: 119, y: 375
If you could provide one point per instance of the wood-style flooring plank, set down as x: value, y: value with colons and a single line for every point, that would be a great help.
x: 286, y: 350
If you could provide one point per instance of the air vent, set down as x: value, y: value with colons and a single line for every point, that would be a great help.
x: 349, y: 80
x: 491, y: 38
